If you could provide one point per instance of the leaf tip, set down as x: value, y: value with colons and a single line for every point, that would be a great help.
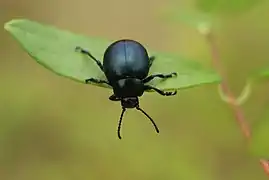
x: 8, y: 24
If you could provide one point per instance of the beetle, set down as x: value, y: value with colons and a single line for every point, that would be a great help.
x: 126, y: 66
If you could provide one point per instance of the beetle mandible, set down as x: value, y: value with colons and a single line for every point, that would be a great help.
x: 126, y: 65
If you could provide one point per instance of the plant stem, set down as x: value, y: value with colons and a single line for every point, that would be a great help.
x: 238, y: 112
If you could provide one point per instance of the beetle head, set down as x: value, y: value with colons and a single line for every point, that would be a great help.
x: 128, y: 87
x: 130, y: 102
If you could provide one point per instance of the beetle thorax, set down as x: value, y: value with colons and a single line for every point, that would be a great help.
x: 128, y: 87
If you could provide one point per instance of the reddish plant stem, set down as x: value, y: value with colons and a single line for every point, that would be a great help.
x: 239, y: 115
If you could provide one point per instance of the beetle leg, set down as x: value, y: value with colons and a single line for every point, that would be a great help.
x: 83, y: 51
x: 151, y: 59
x: 96, y: 81
x: 114, y: 98
x: 163, y: 76
x: 160, y: 91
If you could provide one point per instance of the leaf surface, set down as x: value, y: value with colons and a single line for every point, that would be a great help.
x: 55, y: 49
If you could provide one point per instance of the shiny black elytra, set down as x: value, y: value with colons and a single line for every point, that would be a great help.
x: 126, y: 65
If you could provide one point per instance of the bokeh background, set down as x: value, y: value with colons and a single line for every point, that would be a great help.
x: 52, y: 128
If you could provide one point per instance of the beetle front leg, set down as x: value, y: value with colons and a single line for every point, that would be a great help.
x: 147, y: 87
x: 83, y: 51
x: 96, y: 81
x: 163, y: 76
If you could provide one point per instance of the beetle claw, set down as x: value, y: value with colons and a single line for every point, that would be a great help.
x: 174, y: 93
x: 78, y: 48
x: 174, y: 74
x: 171, y: 93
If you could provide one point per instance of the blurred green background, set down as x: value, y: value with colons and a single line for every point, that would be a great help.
x: 52, y: 128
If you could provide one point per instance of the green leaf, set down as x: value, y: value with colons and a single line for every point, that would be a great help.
x: 190, y: 73
x: 264, y: 72
x: 226, y: 6
x: 260, y: 75
x: 259, y: 142
x: 55, y: 49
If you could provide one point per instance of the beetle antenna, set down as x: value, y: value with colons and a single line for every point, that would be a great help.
x: 155, y: 126
x: 120, y: 121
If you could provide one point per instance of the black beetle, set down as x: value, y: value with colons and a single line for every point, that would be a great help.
x: 126, y: 65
